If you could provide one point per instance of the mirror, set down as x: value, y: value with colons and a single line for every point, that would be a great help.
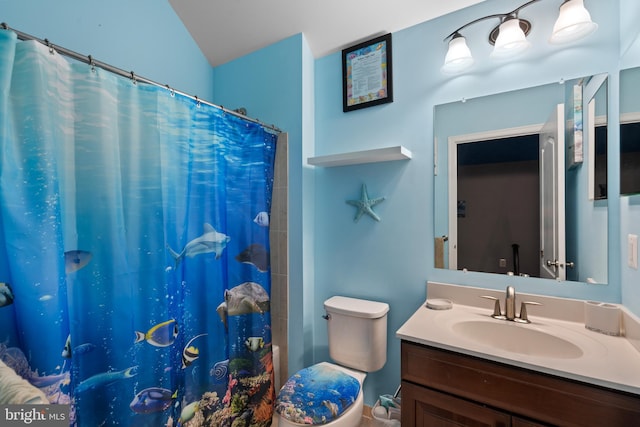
x: 630, y: 131
x: 596, y: 97
x: 513, y: 173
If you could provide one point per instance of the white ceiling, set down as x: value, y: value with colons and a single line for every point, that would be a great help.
x: 227, y: 29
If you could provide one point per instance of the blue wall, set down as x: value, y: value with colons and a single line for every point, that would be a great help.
x: 282, y: 84
x: 391, y: 260
x: 143, y: 36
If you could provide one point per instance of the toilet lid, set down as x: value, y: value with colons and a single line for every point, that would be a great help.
x: 317, y: 395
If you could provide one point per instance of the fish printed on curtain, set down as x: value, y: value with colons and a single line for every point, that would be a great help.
x: 134, y: 247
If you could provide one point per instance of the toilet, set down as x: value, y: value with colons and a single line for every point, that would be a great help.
x: 330, y: 394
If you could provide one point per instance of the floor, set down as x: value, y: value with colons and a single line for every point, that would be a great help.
x: 367, y: 422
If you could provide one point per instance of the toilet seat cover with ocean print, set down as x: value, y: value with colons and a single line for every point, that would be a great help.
x: 317, y: 395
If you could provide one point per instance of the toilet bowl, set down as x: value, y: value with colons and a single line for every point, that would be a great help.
x: 330, y: 394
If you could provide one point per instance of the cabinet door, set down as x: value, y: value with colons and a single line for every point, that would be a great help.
x: 423, y: 407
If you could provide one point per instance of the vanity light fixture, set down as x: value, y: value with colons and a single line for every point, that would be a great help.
x: 459, y: 56
x: 509, y: 38
x: 573, y: 23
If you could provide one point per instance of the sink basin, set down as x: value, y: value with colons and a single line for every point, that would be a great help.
x: 517, y: 338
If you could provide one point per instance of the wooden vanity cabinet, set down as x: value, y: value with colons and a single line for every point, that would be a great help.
x: 442, y: 388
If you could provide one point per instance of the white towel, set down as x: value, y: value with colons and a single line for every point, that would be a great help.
x: 16, y: 390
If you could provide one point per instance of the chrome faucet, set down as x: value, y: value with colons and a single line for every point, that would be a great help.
x: 510, y: 303
x: 510, y: 307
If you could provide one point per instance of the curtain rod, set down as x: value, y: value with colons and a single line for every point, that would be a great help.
x: 129, y: 74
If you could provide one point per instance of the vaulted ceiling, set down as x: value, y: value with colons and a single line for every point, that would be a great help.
x: 227, y: 29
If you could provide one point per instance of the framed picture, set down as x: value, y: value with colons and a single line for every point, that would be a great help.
x: 367, y: 78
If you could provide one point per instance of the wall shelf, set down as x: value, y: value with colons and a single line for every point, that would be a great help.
x: 358, y: 157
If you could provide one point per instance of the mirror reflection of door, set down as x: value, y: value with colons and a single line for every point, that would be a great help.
x: 552, y: 197
x: 630, y: 154
x: 502, y: 221
x: 600, y: 162
x: 496, y: 214
x: 497, y: 208
x: 596, y: 97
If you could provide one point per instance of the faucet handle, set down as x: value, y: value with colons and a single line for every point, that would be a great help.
x: 523, y: 311
x: 497, y: 312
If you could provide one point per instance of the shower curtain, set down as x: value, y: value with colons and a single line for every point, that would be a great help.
x: 134, y: 247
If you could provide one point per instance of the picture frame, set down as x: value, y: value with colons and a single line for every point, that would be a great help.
x: 367, y: 74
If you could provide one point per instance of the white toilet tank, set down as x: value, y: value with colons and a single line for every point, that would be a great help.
x: 357, y: 332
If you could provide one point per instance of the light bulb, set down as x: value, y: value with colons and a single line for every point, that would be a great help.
x: 458, y: 56
x: 573, y: 23
x: 511, y: 39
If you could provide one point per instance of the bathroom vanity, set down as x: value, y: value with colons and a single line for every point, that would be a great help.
x: 440, y: 385
x: 460, y: 367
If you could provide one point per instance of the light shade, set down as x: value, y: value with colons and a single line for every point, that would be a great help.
x: 458, y: 56
x: 511, y: 39
x: 574, y: 22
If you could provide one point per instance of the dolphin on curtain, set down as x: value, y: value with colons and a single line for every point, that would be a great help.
x: 210, y: 241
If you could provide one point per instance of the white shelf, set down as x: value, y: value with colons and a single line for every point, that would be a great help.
x: 357, y: 157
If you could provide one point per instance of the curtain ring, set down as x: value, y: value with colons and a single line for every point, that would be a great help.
x: 197, y: 102
x: 133, y: 78
x: 172, y: 93
x: 50, y: 46
x: 92, y: 64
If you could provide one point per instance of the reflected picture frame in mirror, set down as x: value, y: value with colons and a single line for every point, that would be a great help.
x: 498, y: 243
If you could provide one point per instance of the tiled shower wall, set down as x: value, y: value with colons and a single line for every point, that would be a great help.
x: 280, y: 255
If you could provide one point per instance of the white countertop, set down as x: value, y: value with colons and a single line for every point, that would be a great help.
x: 606, y: 361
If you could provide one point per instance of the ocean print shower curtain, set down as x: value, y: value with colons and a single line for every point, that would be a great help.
x: 134, y: 247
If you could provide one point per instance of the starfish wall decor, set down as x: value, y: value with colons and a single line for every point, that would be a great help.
x: 365, y: 205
